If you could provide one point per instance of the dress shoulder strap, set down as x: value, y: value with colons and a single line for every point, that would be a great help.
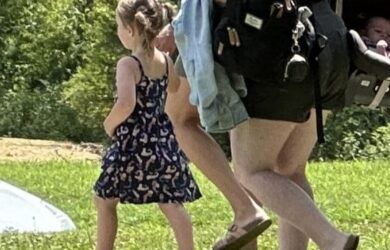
x: 166, y: 64
x: 139, y: 65
x: 142, y: 69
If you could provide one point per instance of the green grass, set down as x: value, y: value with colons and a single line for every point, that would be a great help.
x: 355, y: 196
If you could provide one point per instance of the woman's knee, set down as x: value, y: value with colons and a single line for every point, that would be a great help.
x: 292, y: 168
x: 296, y: 151
x: 299, y: 178
x: 185, y: 120
x: 179, y: 108
x: 245, y: 167
x: 286, y: 170
x: 246, y: 175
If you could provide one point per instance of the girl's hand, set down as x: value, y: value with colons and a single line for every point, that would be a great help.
x: 108, y: 129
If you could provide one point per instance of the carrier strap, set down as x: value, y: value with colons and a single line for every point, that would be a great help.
x: 318, y: 107
x: 319, y: 44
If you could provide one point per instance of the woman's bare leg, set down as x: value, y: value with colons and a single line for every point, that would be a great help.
x: 180, y: 222
x: 208, y: 156
x: 292, y: 163
x: 256, y: 145
x: 302, y: 137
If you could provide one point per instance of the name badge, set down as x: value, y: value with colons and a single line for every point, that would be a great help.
x: 253, y: 21
x: 365, y: 83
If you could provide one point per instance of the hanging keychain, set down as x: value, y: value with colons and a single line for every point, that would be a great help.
x: 297, y: 66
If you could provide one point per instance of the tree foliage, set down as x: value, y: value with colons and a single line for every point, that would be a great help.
x: 57, y: 74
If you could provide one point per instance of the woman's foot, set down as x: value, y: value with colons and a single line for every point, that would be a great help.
x: 238, y: 236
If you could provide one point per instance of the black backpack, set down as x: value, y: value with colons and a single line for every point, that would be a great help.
x: 263, y: 40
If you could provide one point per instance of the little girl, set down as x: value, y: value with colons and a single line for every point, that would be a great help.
x: 144, y: 163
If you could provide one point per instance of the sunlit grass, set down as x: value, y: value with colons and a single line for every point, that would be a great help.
x: 355, y: 196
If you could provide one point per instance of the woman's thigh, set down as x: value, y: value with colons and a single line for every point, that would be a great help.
x: 298, y: 147
x: 256, y: 144
x: 283, y: 147
x: 178, y: 106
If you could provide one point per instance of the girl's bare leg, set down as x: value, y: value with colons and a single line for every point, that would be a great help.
x: 107, y: 223
x: 180, y: 222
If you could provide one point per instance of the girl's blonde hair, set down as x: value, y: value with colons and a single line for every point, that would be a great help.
x: 145, y: 15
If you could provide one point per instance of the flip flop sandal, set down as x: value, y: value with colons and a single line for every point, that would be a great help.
x: 352, y: 242
x: 237, y: 237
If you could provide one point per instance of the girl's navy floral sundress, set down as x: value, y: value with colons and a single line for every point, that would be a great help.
x: 144, y: 164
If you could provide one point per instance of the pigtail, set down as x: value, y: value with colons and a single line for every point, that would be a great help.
x: 143, y: 26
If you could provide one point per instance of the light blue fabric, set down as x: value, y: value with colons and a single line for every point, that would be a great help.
x: 193, y: 40
x: 227, y: 109
x: 212, y: 90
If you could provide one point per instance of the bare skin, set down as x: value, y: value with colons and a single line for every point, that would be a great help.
x: 208, y: 156
x: 269, y: 158
x: 128, y: 75
x: 201, y: 148
x: 293, y: 166
x: 282, y: 171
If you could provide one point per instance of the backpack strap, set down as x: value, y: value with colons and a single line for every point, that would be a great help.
x: 230, y: 10
x: 319, y: 44
x: 318, y: 107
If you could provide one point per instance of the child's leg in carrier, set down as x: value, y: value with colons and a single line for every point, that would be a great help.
x: 180, y: 222
x: 107, y: 222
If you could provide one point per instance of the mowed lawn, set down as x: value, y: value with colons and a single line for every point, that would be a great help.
x: 355, y: 195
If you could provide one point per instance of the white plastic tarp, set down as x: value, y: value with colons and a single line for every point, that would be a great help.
x: 23, y: 212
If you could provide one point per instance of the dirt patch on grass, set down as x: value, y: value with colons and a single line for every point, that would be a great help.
x: 14, y: 149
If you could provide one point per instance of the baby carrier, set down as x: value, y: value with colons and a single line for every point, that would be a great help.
x: 369, y: 83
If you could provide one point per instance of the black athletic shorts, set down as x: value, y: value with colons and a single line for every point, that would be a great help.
x: 290, y: 102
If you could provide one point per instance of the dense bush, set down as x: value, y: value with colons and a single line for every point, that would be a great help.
x: 355, y: 133
x: 41, y: 42
x: 90, y: 90
x: 40, y: 115
x: 69, y: 43
x: 59, y: 43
